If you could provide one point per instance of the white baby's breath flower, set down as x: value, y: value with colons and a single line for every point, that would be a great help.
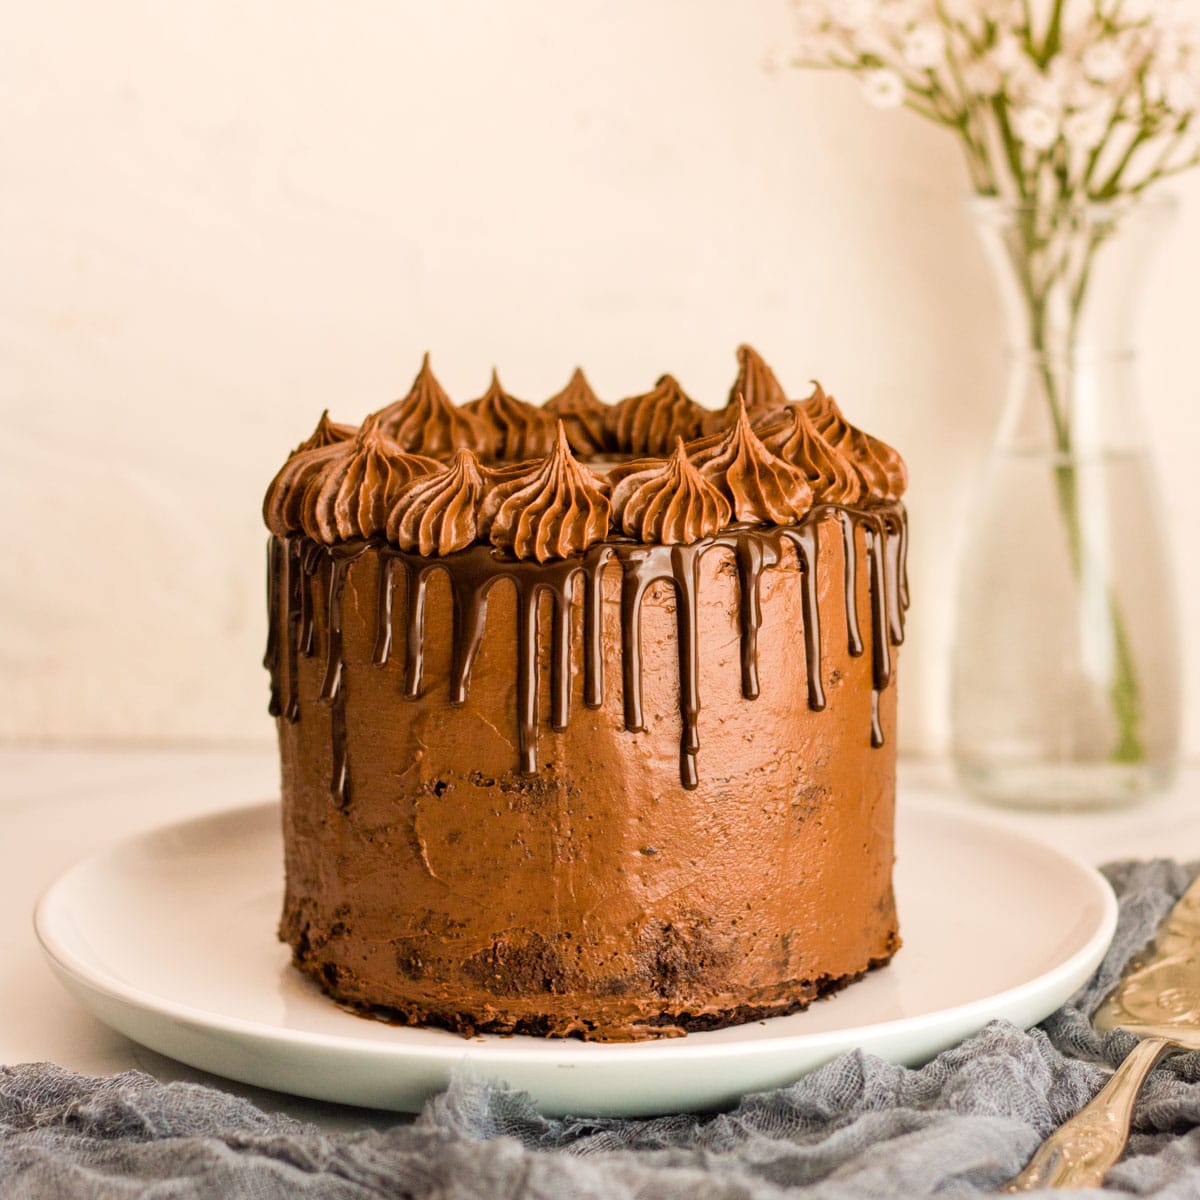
x: 1103, y: 61
x: 871, y: 43
x: 981, y: 77
x: 924, y: 46
x: 1036, y: 127
x: 1120, y: 73
x: 1134, y: 12
x: 883, y: 88
x: 1000, y: 14
x: 1085, y: 129
x: 852, y: 14
x: 1168, y: 43
x: 810, y: 14
x: 965, y: 12
x: 903, y: 14
x: 1007, y: 53
x: 1181, y: 92
x: 821, y: 49
x: 1032, y: 88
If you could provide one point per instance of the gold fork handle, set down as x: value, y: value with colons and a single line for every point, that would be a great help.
x: 1080, y: 1151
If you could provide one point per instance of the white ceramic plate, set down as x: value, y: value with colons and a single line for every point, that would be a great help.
x: 170, y: 939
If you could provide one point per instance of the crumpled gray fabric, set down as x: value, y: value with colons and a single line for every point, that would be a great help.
x: 856, y: 1129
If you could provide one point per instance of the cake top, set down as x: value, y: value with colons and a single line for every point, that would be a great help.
x: 547, y: 481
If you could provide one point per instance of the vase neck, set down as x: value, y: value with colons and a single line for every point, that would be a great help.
x: 1070, y: 275
x: 1069, y: 278
x: 1084, y: 406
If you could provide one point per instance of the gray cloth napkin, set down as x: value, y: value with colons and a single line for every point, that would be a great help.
x: 858, y: 1127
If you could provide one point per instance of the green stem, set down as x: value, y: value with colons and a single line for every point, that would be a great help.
x: 1124, y: 690
x: 1011, y: 149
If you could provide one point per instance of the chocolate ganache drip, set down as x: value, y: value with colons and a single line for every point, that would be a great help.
x: 427, y: 421
x: 516, y: 428
x: 760, y: 490
x: 582, y: 414
x: 552, y: 510
x: 650, y: 423
x: 296, y: 568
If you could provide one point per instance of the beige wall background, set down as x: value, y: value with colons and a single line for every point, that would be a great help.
x: 219, y: 218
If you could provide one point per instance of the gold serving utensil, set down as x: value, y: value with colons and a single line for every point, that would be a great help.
x: 1157, y: 998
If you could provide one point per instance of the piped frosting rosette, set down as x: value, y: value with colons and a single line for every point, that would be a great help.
x: 669, y: 502
x: 434, y: 477
x: 554, y: 509
x: 583, y: 415
x: 438, y: 514
x: 881, y: 469
x: 650, y: 423
x: 515, y: 428
x: 427, y: 421
x: 352, y: 493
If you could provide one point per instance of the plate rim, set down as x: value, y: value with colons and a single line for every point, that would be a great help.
x: 497, y: 1049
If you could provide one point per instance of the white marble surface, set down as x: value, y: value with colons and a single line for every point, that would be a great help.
x: 58, y: 806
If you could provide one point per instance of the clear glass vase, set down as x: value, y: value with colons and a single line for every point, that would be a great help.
x: 1065, y: 664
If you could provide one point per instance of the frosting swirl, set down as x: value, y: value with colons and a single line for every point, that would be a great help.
x: 794, y: 438
x: 582, y: 414
x: 352, y: 492
x: 759, y: 486
x: 516, y: 429
x: 669, y: 502
x: 436, y: 514
x: 555, y: 509
x: 327, y: 433
x: 284, y: 502
x: 881, y: 469
x: 757, y: 386
x: 649, y: 424
x: 675, y: 481
x: 427, y: 421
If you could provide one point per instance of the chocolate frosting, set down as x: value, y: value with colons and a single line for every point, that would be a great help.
x: 880, y: 468
x: 515, y: 428
x: 352, y: 491
x: 757, y: 386
x: 583, y: 415
x: 554, y: 510
x: 284, y: 502
x: 436, y: 514
x: 759, y: 486
x: 285, y: 493
x: 769, y: 467
x: 327, y: 433
x: 427, y: 421
x: 649, y: 424
x: 669, y: 502
x: 793, y: 437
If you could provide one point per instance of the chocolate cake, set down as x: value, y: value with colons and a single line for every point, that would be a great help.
x: 586, y: 711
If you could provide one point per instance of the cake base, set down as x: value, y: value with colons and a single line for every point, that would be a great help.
x: 792, y: 998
